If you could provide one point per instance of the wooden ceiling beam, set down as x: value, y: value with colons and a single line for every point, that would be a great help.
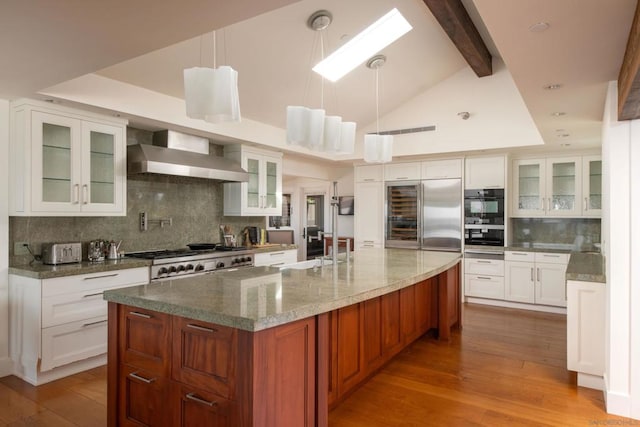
x: 629, y: 77
x: 455, y: 21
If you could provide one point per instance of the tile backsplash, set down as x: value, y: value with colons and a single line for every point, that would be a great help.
x: 195, y: 206
x: 580, y: 234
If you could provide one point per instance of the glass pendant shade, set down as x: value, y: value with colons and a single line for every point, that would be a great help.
x: 211, y: 94
x: 313, y: 129
x: 377, y: 148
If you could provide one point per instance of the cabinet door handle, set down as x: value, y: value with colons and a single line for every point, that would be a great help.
x: 538, y: 274
x: 483, y: 262
x: 519, y: 253
x: 542, y: 205
x: 201, y: 328
x: 195, y: 398
x: 368, y: 179
x: 483, y: 278
x: 276, y: 253
x: 144, y: 316
x: 586, y: 203
x: 551, y: 256
x: 85, y: 194
x: 276, y: 264
x: 140, y: 378
x: 549, y: 204
x: 402, y: 177
x: 76, y: 194
x: 92, y: 295
x: 94, y: 323
x: 532, y: 274
x: 100, y: 277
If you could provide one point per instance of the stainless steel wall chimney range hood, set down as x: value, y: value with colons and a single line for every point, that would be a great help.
x: 174, y: 153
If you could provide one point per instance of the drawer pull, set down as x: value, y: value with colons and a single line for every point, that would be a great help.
x: 192, y: 396
x: 483, y: 262
x: 483, y: 278
x: 94, y: 323
x: 519, y: 253
x: 201, y: 328
x: 143, y: 379
x: 101, y: 277
x: 276, y: 253
x: 276, y: 264
x: 145, y: 316
x: 92, y: 295
x: 551, y: 256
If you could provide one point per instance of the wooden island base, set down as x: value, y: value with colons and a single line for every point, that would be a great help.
x: 168, y: 370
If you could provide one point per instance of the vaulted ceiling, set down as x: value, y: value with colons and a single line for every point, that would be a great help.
x: 112, y: 57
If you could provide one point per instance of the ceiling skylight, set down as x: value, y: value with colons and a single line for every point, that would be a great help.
x: 373, y: 39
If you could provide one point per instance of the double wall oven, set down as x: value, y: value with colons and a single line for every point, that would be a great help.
x: 484, y: 218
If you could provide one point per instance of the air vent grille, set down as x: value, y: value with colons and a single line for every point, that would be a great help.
x: 408, y: 130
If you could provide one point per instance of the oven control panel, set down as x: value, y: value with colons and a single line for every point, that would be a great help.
x: 203, y: 265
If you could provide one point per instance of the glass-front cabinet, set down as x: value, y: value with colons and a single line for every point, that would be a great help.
x: 262, y: 194
x: 548, y: 187
x: 592, y: 185
x: 66, y: 163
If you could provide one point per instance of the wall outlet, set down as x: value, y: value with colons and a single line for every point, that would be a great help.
x: 19, y: 248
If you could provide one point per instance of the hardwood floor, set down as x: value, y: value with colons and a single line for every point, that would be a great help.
x: 504, y: 368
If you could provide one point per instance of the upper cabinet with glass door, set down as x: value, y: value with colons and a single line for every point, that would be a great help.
x: 262, y: 194
x: 66, y: 162
x: 560, y: 186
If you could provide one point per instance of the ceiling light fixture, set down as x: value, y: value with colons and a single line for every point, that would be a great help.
x: 377, y: 148
x: 311, y: 128
x: 211, y: 94
x: 539, y: 27
x: 372, y: 39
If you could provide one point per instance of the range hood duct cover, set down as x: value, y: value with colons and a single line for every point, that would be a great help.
x: 145, y: 158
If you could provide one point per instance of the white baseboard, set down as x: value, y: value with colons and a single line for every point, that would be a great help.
x: 521, y: 306
x: 591, y: 381
x: 617, y: 403
x: 61, y: 371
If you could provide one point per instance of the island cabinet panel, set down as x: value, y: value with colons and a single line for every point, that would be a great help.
x: 145, y: 339
x: 351, y: 369
x: 408, y: 314
x: 284, y: 372
x: 204, y: 355
x: 193, y: 407
x: 449, y: 314
x: 391, y: 333
x: 143, y: 397
x: 373, y: 348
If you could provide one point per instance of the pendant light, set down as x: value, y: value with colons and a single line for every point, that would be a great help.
x: 312, y: 128
x: 211, y: 94
x: 377, y: 148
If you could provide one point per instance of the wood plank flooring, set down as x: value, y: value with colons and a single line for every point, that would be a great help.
x: 504, y: 368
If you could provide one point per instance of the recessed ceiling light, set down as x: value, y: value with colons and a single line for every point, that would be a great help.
x: 552, y: 86
x: 558, y: 113
x: 367, y: 43
x: 539, y: 27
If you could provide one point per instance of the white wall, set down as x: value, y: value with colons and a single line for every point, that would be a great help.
x: 621, y: 245
x: 5, y: 365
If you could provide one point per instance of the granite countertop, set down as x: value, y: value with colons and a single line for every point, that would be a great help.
x: 257, y: 298
x: 37, y: 270
x: 586, y: 267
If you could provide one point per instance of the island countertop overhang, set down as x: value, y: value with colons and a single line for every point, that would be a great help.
x: 258, y: 298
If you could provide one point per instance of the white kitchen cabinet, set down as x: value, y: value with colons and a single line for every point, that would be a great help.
x: 441, y: 169
x: 592, y: 185
x: 66, y: 162
x: 547, y: 187
x: 536, y: 278
x: 262, y: 195
x: 484, y: 172
x: 368, y: 214
x: 58, y: 326
x: 484, y: 278
x: 275, y: 258
x: 370, y: 173
x: 586, y: 331
x: 402, y: 171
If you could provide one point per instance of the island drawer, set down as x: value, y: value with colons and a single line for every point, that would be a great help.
x: 145, y: 339
x: 204, y: 355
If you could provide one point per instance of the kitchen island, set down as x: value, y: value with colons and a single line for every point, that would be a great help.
x: 260, y: 346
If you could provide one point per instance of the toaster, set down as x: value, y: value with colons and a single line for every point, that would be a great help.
x: 61, y: 253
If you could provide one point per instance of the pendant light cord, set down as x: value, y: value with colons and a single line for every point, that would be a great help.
x: 377, y: 101
x: 321, y: 77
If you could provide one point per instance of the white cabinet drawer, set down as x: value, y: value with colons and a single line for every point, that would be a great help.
x: 519, y: 256
x: 484, y: 286
x: 488, y: 267
x: 74, y: 341
x: 95, y: 281
x: 402, y: 171
x: 438, y: 169
x: 552, y: 258
x: 368, y: 244
x: 369, y: 173
x: 275, y: 258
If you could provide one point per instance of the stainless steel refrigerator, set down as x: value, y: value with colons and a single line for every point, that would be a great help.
x: 442, y: 215
x: 424, y: 214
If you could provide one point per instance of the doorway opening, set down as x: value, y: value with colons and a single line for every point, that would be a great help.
x: 314, y: 225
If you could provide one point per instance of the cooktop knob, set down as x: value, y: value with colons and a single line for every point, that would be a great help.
x: 181, y: 268
x: 172, y: 269
x: 199, y: 267
x: 189, y: 267
x: 220, y: 265
x: 162, y: 270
